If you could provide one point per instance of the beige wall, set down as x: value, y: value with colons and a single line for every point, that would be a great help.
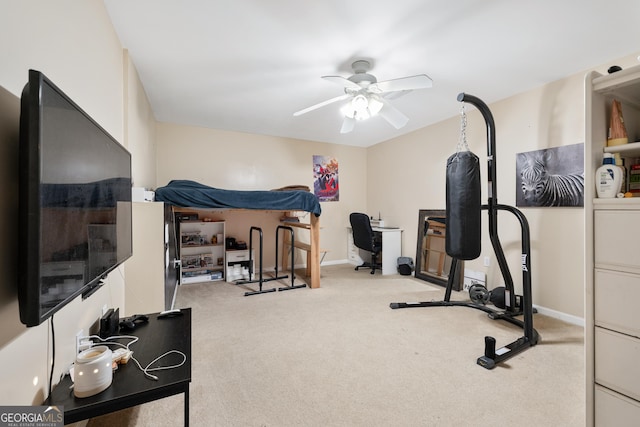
x: 74, y: 44
x: 240, y: 161
x: 140, y: 128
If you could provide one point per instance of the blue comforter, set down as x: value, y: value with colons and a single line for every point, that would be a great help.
x: 191, y: 194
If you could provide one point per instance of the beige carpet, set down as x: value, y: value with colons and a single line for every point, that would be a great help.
x: 339, y: 356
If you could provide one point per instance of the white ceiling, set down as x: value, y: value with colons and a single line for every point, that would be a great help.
x: 248, y: 65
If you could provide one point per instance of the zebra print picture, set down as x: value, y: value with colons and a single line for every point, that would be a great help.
x: 550, y: 177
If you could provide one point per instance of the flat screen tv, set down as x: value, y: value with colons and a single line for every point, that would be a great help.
x: 75, y: 201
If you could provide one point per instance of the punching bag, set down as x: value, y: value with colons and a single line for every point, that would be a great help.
x: 463, y: 221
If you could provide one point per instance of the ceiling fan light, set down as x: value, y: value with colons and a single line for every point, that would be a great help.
x: 362, y: 115
x: 347, y: 110
x: 360, y: 103
x: 358, y: 108
x: 374, y: 106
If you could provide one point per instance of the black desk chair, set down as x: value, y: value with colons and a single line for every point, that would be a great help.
x: 363, y: 238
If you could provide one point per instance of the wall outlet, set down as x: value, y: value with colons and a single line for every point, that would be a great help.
x: 82, y: 343
x: 79, y: 336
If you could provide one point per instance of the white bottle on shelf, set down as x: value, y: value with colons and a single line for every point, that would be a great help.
x: 608, y: 178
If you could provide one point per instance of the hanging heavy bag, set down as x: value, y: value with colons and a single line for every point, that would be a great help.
x: 463, y: 220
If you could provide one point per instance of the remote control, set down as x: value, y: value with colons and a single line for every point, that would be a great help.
x: 170, y: 313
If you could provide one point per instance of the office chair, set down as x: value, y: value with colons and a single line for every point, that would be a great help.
x: 363, y: 238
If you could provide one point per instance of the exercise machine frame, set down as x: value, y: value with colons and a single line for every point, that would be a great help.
x: 286, y: 228
x: 261, y: 279
x: 514, y: 306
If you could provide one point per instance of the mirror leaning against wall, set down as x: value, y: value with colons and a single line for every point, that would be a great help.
x: 432, y: 262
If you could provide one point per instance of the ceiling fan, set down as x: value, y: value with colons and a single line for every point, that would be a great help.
x: 369, y: 97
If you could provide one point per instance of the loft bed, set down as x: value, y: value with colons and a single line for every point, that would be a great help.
x: 191, y: 194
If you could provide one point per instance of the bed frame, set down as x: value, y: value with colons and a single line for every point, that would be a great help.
x: 187, y: 194
x: 312, y: 248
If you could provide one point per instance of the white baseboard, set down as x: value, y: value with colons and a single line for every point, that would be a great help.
x: 574, y: 320
x: 335, y: 262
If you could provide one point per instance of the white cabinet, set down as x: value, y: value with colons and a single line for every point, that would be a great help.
x: 612, y: 276
x: 202, y: 251
x: 352, y: 250
x: 238, y: 264
x: 391, y: 239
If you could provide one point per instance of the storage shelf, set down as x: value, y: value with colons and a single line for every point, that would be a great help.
x: 615, y: 203
x: 631, y: 149
x: 622, y: 84
x: 198, y: 254
x: 198, y: 279
x: 195, y: 269
x: 612, y: 270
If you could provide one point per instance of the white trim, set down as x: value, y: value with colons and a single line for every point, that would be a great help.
x: 574, y: 320
x: 335, y: 262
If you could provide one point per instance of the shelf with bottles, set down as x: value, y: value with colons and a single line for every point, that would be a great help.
x: 616, y: 100
x: 611, y: 271
x: 629, y: 154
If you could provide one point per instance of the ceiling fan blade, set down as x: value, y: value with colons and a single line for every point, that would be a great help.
x: 395, y: 95
x: 342, y: 81
x: 392, y: 115
x: 322, y: 104
x: 348, y: 124
x: 421, y: 81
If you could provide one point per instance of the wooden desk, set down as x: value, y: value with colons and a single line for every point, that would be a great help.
x: 130, y: 387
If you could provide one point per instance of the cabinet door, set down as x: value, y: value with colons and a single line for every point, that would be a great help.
x: 616, y: 239
x: 613, y: 409
x: 616, y: 362
x: 616, y: 297
x: 144, y: 271
x: 170, y: 258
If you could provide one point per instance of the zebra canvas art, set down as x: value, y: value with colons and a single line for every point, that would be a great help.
x: 550, y: 177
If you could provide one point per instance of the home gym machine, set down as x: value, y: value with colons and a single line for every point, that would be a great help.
x: 286, y: 228
x: 261, y: 279
x: 463, y: 242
